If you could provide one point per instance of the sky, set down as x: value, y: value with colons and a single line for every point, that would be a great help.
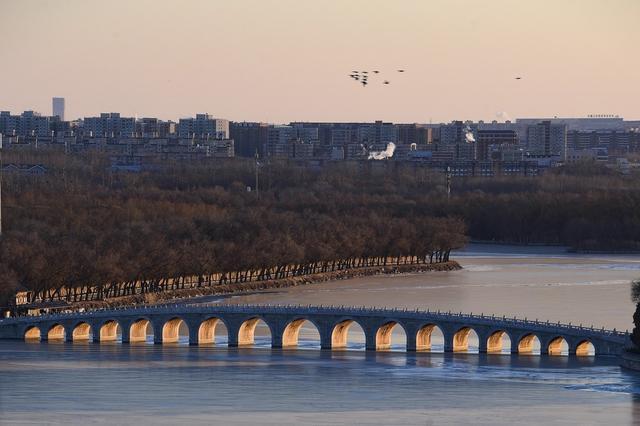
x: 289, y: 60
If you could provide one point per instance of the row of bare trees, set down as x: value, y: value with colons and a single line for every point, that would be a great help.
x: 81, y: 226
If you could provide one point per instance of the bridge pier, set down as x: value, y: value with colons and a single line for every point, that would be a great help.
x: 276, y: 340
x: 371, y: 341
x: 448, y: 342
x: 515, y: 345
x: 283, y: 334
x: 68, y: 334
x: 194, y: 335
x: 325, y: 330
x: 233, y: 329
x: 482, y: 343
x: 412, y: 345
x: 325, y: 340
x: 126, y: 332
x: 158, y: 331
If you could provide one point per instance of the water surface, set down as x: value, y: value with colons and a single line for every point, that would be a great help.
x: 86, y: 383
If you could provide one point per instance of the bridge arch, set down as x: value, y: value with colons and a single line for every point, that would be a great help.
x: 139, y: 330
x: 384, y: 334
x: 557, y: 346
x: 171, y: 330
x: 585, y: 348
x: 32, y: 333
x: 498, y: 342
x: 291, y: 332
x: 108, y: 330
x: 81, y: 331
x: 247, y: 330
x: 207, y: 330
x: 56, y: 332
x: 462, y: 337
x: 340, y: 333
x: 425, y: 337
x: 528, y: 344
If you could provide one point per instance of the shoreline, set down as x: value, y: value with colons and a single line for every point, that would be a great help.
x: 630, y: 360
x: 257, y: 286
x: 565, y: 248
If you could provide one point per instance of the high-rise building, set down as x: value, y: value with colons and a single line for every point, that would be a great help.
x: 615, y: 142
x: 459, y: 138
x: 249, y: 138
x: 507, y: 139
x: 110, y: 124
x: 341, y: 136
x: 58, y: 108
x: 592, y: 123
x: 203, y: 126
x: 151, y: 127
x: 547, y: 138
x: 456, y: 132
x: 377, y: 133
x: 29, y: 123
x: 414, y: 133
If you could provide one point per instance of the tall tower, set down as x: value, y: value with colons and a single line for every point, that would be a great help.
x: 58, y: 107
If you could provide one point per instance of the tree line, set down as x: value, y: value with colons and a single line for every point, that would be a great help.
x: 81, y: 224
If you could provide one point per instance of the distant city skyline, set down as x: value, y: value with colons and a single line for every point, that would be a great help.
x: 282, y: 61
x: 498, y: 119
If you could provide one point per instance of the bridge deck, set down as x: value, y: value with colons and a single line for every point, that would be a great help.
x: 326, y: 319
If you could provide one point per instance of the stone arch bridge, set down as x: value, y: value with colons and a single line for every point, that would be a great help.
x: 284, y: 322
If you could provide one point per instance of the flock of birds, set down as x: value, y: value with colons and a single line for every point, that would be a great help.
x: 362, y: 77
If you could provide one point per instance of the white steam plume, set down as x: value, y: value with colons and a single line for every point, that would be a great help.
x: 383, y: 155
x: 503, y: 116
x: 468, y: 135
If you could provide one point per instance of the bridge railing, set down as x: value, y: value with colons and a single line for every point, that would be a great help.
x: 322, y: 309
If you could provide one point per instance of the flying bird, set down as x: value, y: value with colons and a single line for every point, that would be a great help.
x: 518, y: 78
x: 386, y: 82
x: 376, y: 72
x: 400, y: 70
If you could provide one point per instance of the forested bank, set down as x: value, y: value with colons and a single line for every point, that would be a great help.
x: 587, y: 212
x: 81, y: 224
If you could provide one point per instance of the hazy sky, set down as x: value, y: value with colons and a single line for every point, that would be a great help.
x: 286, y: 60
